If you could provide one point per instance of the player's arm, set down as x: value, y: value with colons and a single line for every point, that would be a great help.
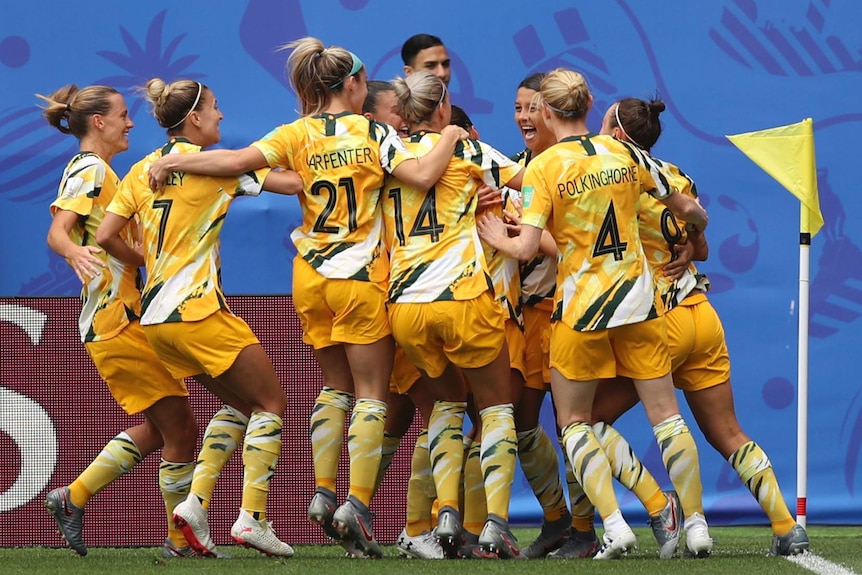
x: 658, y: 184
x: 284, y: 182
x: 422, y: 173
x: 686, y: 209
x: 81, y: 259
x: 108, y: 236
x: 515, y: 182
x: 209, y: 163
x: 547, y: 245
x: 701, y: 247
x: 493, y: 232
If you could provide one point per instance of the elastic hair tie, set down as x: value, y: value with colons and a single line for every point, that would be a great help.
x: 565, y: 113
x: 69, y: 108
x: 192, y: 109
x: 623, y: 130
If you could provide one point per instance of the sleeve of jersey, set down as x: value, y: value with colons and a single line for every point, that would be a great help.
x: 251, y: 183
x: 658, y: 183
x: 682, y: 182
x: 124, y: 204
x: 82, y: 185
x: 275, y: 147
x: 392, y: 149
x: 535, y: 199
x: 497, y: 168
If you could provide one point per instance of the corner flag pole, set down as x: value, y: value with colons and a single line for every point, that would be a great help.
x: 802, y: 372
x: 787, y: 154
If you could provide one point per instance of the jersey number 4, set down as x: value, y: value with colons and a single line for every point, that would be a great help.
x: 608, y: 241
x: 427, y: 213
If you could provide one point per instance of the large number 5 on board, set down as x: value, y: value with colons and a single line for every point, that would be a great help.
x: 165, y: 206
x: 331, y: 200
x: 608, y: 241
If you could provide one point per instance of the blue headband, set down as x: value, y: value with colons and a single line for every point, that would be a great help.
x: 357, y: 66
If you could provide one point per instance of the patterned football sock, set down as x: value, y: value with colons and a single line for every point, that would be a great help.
x: 364, y: 444
x: 679, y: 454
x: 755, y: 471
x: 540, y: 465
x: 420, y: 488
x: 445, y: 440
x: 259, y: 458
x: 175, y: 479
x: 590, y: 467
x: 475, y: 506
x: 388, y: 450
x: 583, y: 512
x: 327, y: 434
x: 117, y: 457
x: 628, y: 469
x: 499, y: 454
x: 223, y: 435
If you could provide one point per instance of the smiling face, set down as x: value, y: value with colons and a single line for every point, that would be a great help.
x: 537, y: 136
x: 208, y: 119
x: 115, y: 125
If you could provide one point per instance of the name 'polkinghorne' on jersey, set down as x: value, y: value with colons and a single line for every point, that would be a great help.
x: 593, y: 180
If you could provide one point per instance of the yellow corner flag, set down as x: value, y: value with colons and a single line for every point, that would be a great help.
x: 787, y: 154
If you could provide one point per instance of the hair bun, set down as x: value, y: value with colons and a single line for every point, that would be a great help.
x: 657, y: 107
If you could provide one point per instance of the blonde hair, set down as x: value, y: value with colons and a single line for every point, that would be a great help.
x: 566, y: 93
x: 316, y: 72
x: 419, y: 94
x: 172, y: 103
x: 69, y: 109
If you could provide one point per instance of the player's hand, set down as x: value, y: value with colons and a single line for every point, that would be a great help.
x: 158, y: 173
x: 84, y: 263
x: 488, y: 198
x: 684, y: 252
x: 512, y: 221
x: 492, y: 230
x: 460, y: 132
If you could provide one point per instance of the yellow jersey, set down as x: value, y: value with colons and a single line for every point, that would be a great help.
x: 586, y: 190
x: 660, y: 231
x: 342, y: 159
x: 434, y: 248
x: 181, y: 228
x: 538, y: 275
x: 505, y: 271
x: 113, y: 298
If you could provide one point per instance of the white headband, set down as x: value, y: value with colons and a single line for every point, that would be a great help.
x: 623, y: 130
x: 195, y: 105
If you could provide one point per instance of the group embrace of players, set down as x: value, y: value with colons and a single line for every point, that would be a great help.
x: 433, y: 273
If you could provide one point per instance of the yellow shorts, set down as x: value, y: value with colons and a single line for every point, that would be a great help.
x: 517, y: 346
x: 638, y: 350
x: 132, y: 370
x: 209, y: 346
x: 404, y: 373
x: 698, y: 351
x: 537, y: 338
x: 467, y: 333
x: 334, y: 311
